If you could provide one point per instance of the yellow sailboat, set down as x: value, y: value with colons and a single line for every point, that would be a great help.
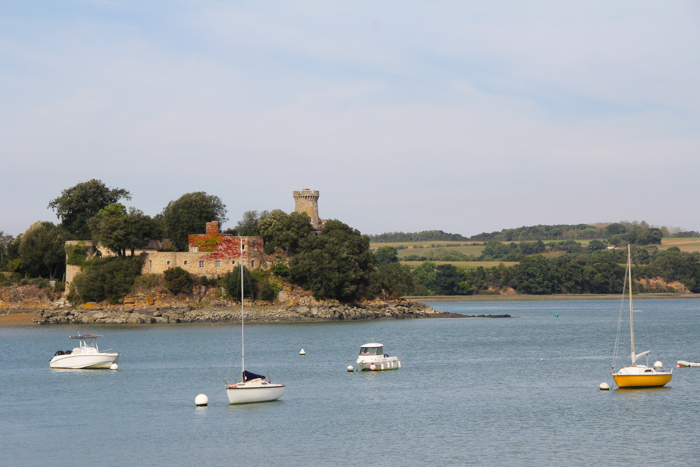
x: 636, y: 375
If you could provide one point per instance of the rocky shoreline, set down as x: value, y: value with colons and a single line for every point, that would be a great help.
x: 231, y: 314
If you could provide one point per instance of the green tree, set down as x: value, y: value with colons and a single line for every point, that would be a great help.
x: 189, y: 214
x: 4, y: 252
x: 285, y: 230
x: 231, y: 282
x: 119, y: 230
x: 535, y: 275
x: 248, y: 225
x: 41, y: 250
x: 595, y: 245
x: 177, y: 280
x: 108, y: 278
x: 424, y: 275
x: 335, y: 264
x: 78, y: 204
x: 393, y: 279
x: 385, y: 255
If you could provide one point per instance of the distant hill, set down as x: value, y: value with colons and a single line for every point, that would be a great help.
x: 425, y: 236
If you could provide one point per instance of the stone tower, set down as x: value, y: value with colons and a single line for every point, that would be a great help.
x: 307, y: 201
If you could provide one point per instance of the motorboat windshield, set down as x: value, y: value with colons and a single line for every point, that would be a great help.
x: 371, y: 350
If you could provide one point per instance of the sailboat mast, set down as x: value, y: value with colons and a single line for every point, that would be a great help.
x: 242, y: 333
x: 629, y: 276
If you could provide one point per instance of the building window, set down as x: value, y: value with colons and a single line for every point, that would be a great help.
x: 195, y: 249
x: 185, y: 263
x: 201, y: 264
x: 150, y: 264
x: 168, y: 263
x: 252, y: 264
x: 218, y: 263
x: 233, y: 262
x: 243, y: 247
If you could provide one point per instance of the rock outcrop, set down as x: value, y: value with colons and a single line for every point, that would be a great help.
x: 398, y: 310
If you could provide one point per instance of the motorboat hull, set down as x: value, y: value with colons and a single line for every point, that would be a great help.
x: 634, y: 377
x: 254, y: 391
x: 380, y: 363
x: 683, y: 363
x: 97, y: 361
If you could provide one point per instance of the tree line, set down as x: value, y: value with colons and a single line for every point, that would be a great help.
x: 597, y: 272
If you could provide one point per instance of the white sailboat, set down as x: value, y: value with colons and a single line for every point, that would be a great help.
x: 637, y: 375
x: 252, y: 387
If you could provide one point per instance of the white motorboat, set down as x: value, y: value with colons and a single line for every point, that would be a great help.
x: 683, y: 363
x: 636, y: 375
x: 252, y: 387
x: 373, y: 358
x: 87, y: 356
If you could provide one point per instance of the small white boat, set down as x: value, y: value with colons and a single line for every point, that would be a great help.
x: 683, y: 363
x: 86, y: 356
x: 373, y: 358
x: 252, y: 387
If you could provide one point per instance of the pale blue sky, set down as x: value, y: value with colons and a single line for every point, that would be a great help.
x: 463, y: 116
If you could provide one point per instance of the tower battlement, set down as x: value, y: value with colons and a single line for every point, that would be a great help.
x: 306, y: 201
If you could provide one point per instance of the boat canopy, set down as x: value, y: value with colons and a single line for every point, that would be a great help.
x: 86, y: 336
x: 248, y: 376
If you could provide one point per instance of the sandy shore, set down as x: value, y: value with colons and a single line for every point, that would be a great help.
x: 23, y: 318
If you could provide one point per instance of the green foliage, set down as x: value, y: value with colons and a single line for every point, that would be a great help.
x: 231, y: 282
x: 177, y: 280
x: 393, y: 279
x: 189, y: 215
x: 41, y: 250
x: 4, y: 250
x: 335, y: 264
x: 76, y: 255
x: 285, y: 230
x: 248, y: 225
x: 78, y: 204
x: 425, y: 236
x: 267, y: 292
x: 386, y: 255
x: 280, y: 269
x: 105, y: 279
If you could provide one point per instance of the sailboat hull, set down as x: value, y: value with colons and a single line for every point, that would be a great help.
x: 634, y: 377
x: 254, y: 391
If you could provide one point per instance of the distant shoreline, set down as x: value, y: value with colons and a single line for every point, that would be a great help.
x: 545, y: 298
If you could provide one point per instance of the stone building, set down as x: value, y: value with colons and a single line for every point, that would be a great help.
x: 209, y: 254
x: 306, y: 201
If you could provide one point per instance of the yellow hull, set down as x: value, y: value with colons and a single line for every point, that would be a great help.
x: 642, y: 381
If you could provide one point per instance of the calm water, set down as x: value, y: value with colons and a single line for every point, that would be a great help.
x: 520, y: 391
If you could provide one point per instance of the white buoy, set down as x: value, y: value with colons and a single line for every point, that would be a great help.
x: 350, y: 369
x: 201, y: 400
x: 303, y: 352
x: 604, y: 387
x: 113, y: 366
x: 658, y: 364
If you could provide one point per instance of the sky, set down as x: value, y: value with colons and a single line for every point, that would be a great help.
x: 462, y: 116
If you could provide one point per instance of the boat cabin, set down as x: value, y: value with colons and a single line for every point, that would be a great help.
x: 372, y: 349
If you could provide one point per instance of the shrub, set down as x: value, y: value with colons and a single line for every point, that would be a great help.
x: 105, y: 279
x: 177, y: 280
x: 267, y: 292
